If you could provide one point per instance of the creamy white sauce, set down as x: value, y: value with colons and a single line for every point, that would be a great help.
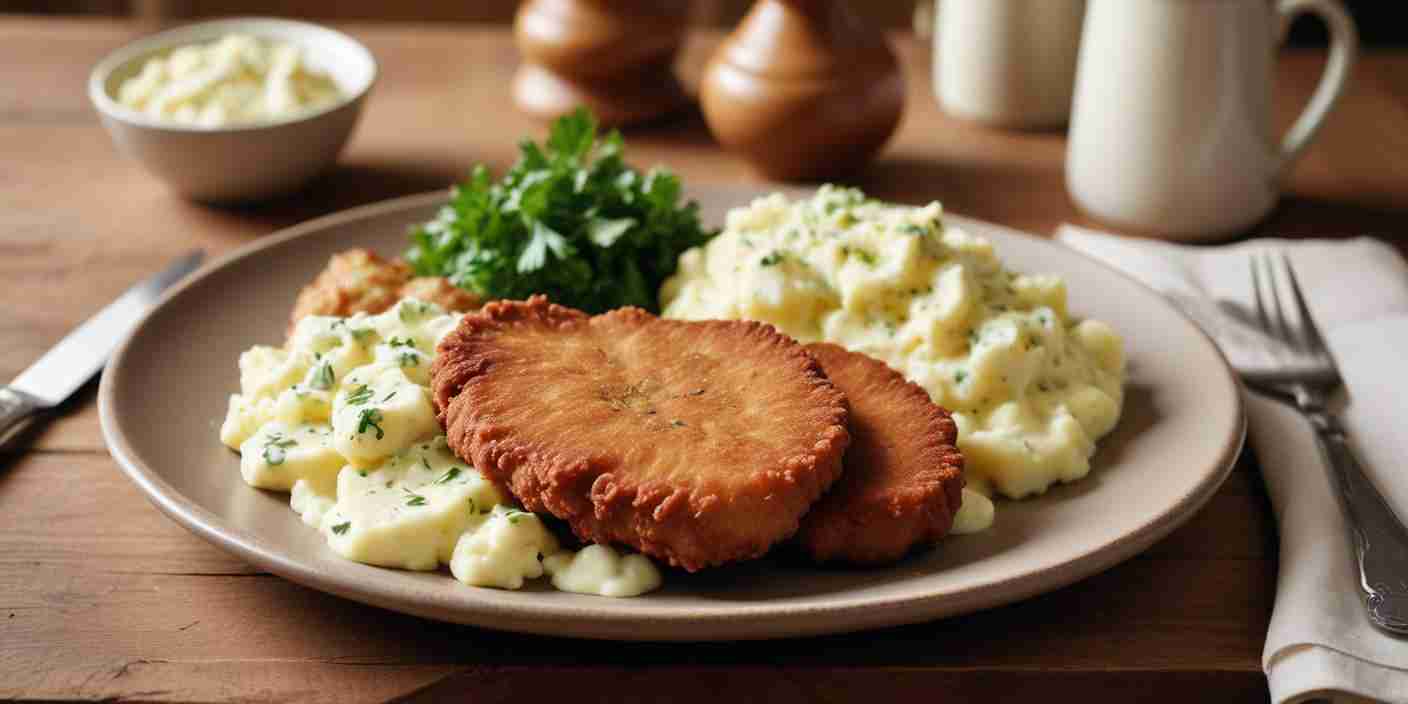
x: 236, y: 80
x: 975, y: 515
x: 599, y: 569
x: 341, y: 418
x: 1030, y: 388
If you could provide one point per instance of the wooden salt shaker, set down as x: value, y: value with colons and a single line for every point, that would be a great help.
x: 802, y: 91
x: 616, y: 57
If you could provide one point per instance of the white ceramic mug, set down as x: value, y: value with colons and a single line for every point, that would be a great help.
x: 1007, y: 62
x: 1171, y: 125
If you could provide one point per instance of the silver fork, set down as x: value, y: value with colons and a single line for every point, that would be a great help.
x: 1307, y: 378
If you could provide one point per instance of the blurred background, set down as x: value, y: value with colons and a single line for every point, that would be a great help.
x: 1377, y: 19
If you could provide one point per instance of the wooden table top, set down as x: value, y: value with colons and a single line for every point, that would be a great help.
x: 102, y: 597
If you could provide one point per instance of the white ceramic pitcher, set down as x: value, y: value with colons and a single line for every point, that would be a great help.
x: 1171, y: 122
x: 1010, y: 63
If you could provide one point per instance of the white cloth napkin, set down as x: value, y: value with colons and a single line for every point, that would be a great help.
x: 1320, y: 643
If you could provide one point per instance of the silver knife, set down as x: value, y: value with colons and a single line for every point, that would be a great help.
x: 71, y: 363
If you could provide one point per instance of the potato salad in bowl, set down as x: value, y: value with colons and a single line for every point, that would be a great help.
x: 341, y: 418
x: 1030, y: 387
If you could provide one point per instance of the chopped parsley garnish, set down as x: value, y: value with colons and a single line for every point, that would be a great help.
x: 514, y: 514
x: 570, y: 220
x: 323, y: 378
x: 959, y: 376
x: 361, y: 334
x: 409, y: 359
x: 864, y: 255
x: 402, y: 342
x: 411, y: 311
x: 342, y: 528
x: 387, y: 397
x: 772, y: 259
x: 370, y: 418
x: 274, y: 449
x: 450, y: 475
x: 359, y: 395
x: 412, y: 498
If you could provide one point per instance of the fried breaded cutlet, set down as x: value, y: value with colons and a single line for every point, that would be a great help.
x: 903, y: 478
x: 359, y: 281
x: 699, y: 443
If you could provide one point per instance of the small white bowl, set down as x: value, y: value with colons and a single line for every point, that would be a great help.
x: 241, y: 162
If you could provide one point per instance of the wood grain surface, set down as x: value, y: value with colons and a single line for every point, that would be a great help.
x: 103, y: 598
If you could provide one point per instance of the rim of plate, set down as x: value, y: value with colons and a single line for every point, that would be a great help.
x: 601, y: 620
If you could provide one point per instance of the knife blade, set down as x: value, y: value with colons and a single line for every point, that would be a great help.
x: 71, y: 363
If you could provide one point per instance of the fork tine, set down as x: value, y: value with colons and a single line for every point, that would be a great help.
x: 1309, y: 331
x: 1283, y: 323
x: 1257, y: 294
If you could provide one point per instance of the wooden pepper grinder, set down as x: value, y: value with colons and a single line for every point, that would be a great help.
x: 802, y: 91
x: 616, y: 57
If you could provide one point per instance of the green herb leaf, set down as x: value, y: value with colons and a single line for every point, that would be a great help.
x: 571, y: 220
x: 342, y: 528
x: 412, y: 498
x: 604, y: 233
x: 370, y: 418
x: 449, y: 476
x: 274, y: 449
x: 359, y: 395
x: 535, y: 255
x: 411, y: 311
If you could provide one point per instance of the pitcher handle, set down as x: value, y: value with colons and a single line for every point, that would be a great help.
x: 1344, y: 46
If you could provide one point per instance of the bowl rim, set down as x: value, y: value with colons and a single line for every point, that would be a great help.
x: 179, y: 36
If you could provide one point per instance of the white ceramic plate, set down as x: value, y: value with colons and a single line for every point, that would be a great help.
x: 164, y: 394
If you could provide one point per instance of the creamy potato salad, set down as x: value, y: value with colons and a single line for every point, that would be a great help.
x: 236, y: 80
x: 1030, y: 387
x: 341, y: 418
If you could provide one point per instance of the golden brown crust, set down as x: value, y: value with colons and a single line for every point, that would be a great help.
x: 903, y: 481
x: 360, y: 281
x: 699, y: 443
x: 355, y: 281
